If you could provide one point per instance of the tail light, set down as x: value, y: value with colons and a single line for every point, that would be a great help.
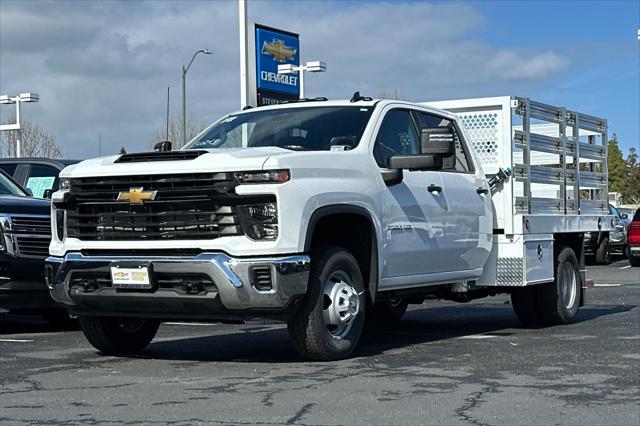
x: 633, y: 235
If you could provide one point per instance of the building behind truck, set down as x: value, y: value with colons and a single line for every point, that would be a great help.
x: 327, y: 213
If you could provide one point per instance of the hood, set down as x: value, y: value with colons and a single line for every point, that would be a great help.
x: 214, y: 160
x: 13, y: 204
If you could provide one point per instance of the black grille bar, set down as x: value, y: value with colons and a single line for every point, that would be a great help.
x: 33, y: 246
x: 31, y: 225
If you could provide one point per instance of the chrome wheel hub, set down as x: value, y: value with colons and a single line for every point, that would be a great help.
x: 340, y: 304
x: 568, y: 285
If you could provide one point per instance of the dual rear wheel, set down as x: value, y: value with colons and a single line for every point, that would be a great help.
x: 551, y: 303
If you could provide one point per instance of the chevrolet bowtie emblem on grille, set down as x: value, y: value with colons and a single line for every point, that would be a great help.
x: 137, y: 195
x: 279, y: 50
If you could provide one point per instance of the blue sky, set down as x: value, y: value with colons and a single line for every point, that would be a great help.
x: 102, y: 67
x: 599, y: 38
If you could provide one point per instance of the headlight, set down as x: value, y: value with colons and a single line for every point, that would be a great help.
x: 259, y: 221
x: 65, y: 183
x: 266, y: 176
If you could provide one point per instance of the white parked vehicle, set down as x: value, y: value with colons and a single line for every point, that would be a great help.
x: 326, y: 213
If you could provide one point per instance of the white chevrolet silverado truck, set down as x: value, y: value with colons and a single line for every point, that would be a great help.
x: 329, y: 213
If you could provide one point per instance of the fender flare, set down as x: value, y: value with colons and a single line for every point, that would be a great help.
x: 333, y: 209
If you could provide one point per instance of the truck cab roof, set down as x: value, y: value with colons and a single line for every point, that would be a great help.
x: 347, y: 103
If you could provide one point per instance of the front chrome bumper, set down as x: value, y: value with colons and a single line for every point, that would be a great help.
x: 234, y: 288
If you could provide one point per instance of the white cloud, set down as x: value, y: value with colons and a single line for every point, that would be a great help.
x: 104, y: 66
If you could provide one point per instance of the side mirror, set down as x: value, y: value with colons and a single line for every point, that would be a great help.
x: 437, y: 152
x: 47, y: 193
x: 162, y: 146
x: 625, y: 216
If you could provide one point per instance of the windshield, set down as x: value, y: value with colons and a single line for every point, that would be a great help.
x: 9, y: 188
x: 301, y: 129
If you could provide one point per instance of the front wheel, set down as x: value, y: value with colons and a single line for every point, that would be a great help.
x: 329, y: 323
x: 116, y: 336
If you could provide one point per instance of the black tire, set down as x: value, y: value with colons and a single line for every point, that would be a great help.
x: 634, y: 260
x: 556, y: 306
x: 603, y: 252
x: 525, y: 305
x: 117, y: 336
x: 311, y: 336
x: 392, y: 309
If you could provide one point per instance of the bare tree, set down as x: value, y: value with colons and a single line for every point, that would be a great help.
x: 175, y: 131
x: 34, y: 142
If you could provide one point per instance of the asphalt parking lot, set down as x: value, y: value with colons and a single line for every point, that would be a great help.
x: 444, y: 363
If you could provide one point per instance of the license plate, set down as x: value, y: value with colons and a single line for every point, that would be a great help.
x: 137, y: 277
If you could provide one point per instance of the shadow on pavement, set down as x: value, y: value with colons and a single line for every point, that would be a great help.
x: 264, y: 344
x: 16, y: 324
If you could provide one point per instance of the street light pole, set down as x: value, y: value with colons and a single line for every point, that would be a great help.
x: 301, y: 74
x: 17, y: 126
x: 312, y: 66
x: 184, y: 94
x: 18, y: 130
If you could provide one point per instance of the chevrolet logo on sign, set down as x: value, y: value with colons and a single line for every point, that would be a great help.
x: 137, y: 195
x: 279, y: 50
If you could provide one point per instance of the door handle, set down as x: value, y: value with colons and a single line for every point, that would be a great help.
x: 434, y: 188
x: 482, y: 190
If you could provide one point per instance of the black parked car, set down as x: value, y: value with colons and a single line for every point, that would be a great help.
x: 25, y: 233
x: 39, y: 175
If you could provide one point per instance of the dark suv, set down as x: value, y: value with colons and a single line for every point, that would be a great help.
x: 39, y: 175
x: 25, y: 233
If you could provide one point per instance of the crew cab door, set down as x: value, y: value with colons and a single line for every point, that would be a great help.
x: 469, y: 218
x: 413, y: 211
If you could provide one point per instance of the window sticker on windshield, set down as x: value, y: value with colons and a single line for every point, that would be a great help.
x: 364, y: 109
x: 38, y: 185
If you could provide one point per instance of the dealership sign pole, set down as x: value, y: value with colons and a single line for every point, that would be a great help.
x: 244, y: 50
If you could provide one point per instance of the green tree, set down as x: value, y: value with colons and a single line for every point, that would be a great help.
x: 122, y: 150
x: 631, y: 192
x: 617, y: 166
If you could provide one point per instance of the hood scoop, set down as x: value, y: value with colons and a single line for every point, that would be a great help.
x: 139, y: 157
